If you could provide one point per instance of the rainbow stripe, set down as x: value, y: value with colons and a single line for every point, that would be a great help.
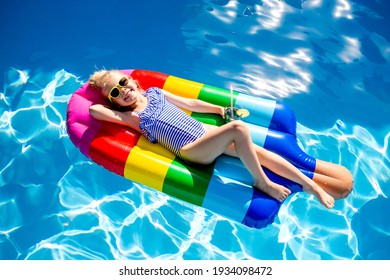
x: 223, y: 187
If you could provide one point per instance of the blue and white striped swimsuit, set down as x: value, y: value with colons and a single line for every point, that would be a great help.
x: 163, y: 122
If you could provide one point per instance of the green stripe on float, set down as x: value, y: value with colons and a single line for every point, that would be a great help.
x: 216, y: 95
x: 186, y: 182
x: 212, y: 119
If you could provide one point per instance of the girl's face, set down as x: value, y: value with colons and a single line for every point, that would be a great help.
x: 121, y: 89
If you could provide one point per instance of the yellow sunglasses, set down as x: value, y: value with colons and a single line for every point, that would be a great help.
x: 116, y: 90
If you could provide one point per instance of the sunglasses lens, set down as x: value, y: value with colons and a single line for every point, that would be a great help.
x: 123, y: 82
x: 114, y: 93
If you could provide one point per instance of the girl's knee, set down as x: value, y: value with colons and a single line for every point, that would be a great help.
x: 346, y: 188
x: 239, y: 126
x: 346, y: 181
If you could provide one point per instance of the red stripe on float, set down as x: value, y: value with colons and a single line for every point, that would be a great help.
x: 149, y: 79
x: 111, y: 146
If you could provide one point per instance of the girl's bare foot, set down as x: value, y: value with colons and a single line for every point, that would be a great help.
x: 274, y: 190
x: 325, y: 199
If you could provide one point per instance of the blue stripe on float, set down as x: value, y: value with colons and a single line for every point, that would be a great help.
x: 261, y: 110
x: 283, y: 119
x: 230, y: 182
x: 285, y: 145
x: 262, y: 210
x: 258, y: 134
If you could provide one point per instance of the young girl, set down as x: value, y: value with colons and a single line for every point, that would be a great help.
x: 155, y: 113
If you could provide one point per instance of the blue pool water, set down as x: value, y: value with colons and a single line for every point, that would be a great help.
x: 328, y: 59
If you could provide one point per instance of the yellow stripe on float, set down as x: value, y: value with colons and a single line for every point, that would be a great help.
x: 148, y: 164
x: 182, y: 87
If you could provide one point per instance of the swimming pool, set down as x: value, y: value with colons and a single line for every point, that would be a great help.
x: 329, y: 60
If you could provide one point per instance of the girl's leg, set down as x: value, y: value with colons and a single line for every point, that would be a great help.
x: 282, y: 167
x: 217, y: 140
x: 333, y: 178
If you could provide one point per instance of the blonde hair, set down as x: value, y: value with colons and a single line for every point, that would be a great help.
x: 97, y: 81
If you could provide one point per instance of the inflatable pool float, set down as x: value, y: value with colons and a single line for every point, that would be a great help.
x: 223, y: 187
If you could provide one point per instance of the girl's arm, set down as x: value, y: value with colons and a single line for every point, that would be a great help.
x: 103, y: 113
x: 194, y: 105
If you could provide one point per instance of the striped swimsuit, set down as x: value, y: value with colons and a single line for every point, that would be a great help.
x: 164, y: 123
